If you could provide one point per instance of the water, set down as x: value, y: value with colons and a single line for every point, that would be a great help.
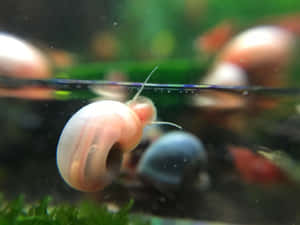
x: 247, y: 120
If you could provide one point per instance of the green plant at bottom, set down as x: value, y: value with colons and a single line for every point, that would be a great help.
x: 87, y: 213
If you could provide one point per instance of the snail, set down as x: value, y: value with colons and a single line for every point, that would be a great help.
x: 258, y: 56
x: 20, y: 59
x: 223, y: 74
x: 171, y: 160
x: 92, y: 144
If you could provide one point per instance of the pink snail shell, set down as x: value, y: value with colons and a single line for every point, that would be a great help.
x: 91, y: 146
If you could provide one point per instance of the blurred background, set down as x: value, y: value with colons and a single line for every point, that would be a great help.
x: 133, y: 29
x: 252, y: 142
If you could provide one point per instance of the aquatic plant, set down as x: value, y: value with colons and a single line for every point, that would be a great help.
x: 17, y: 212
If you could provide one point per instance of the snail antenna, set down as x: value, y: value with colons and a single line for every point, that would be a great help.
x: 167, y: 123
x: 142, y: 87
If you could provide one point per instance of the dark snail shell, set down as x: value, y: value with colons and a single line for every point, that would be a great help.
x: 166, y: 161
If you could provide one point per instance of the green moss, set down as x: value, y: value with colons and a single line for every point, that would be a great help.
x: 41, y: 213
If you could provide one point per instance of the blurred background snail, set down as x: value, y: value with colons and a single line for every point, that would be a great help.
x: 20, y: 59
x: 258, y: 56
